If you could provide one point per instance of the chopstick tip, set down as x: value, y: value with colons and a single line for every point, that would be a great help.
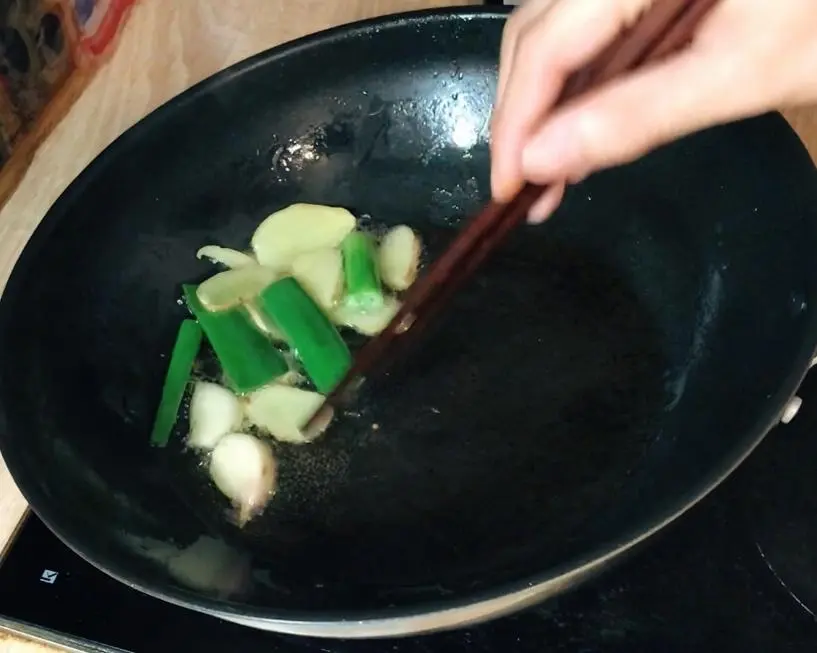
x: 319, y: 422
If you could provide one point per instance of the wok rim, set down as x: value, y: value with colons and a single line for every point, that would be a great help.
x: 423, y: 618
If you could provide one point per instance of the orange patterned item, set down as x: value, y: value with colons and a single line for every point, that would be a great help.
x: 49, y: 50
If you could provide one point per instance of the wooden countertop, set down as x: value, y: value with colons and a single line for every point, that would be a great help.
x: 165, y: 48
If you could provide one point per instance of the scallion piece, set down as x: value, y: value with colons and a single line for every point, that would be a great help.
x: 185, y: 350
x: 248, y: 358
x: 362, y: 281
x: 312, y: 337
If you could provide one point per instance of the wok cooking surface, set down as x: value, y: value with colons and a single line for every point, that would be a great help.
x: 604, y: 372
x: 738, y: 573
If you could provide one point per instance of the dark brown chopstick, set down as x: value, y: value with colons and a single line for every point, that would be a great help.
x: 665, y: 27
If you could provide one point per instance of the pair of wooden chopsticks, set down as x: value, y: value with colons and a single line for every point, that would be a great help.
x: 664, y: 28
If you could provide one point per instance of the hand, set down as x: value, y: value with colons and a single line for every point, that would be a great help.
x: 748, y: 57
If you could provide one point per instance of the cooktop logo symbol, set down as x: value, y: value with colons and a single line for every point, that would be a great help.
x: 48, y: 576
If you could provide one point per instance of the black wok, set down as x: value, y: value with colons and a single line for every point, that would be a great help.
x: 603, y: 373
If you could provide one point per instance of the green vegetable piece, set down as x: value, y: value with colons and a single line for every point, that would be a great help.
x: 188, y: 342
x: 307, y: 330
x: 363, y: 289
x: 247, y: 356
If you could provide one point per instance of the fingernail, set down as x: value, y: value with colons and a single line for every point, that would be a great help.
x: 549, y: 156
x: 541, y: 211
x: 535, y: 217
x: 579, y: 177
x: 546, y: 205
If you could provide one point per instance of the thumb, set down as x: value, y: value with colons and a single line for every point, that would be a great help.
x: 629, y: 117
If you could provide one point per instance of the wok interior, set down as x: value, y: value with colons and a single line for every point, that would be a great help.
x: 600, y: 367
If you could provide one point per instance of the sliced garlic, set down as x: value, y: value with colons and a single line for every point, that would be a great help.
x: 244, y: 470
x: 214, y: 412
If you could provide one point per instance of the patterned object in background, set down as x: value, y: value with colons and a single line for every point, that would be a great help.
x: 99, y: 21
x: 48, y: 48
x: 35, y: 59
x: 35, y: 54
x: 84, y: 9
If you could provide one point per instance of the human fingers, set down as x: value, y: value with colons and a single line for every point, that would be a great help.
x: 545, y: 52
x: 518, y: 21
x: 546, y: 204
x: 631, y: 116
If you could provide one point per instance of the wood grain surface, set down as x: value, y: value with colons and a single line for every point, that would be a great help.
x: 165, y: 48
